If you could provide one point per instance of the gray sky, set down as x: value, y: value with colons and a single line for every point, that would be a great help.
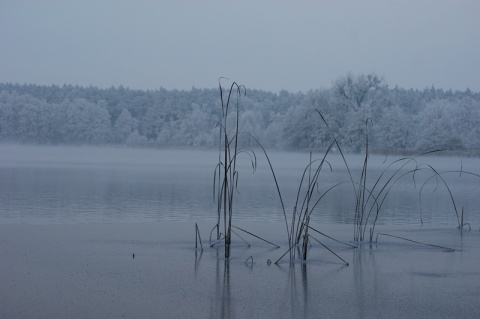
x: 268, y: 45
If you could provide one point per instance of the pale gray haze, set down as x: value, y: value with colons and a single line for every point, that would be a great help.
x: 266, y: 45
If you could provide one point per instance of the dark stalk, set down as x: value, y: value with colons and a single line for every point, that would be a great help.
x: 329, y: 250
x: 324, y: 235
x: 251, y: 234
x: 197, y: 237
x: 416, y: 242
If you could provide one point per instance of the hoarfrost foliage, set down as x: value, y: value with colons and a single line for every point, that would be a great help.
x: 136, y: 140
x: 395, y: 129
x: 124, y: 126
x: 401, y: 119
x: 448, y: 124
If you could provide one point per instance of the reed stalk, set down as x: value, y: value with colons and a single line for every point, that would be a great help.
x: 447, y: 249
x: 437, y: 176
x: 226, y: 176
x: 308, y: 198
x: 197, y: 237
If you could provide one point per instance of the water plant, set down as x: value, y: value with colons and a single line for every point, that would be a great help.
x: 226, y: 175
x: 438, y: 178
x: 369, y: 196
x: 307, y: 200
x: 369, y: 200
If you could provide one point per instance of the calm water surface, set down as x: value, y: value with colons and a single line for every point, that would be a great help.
x: 57, y: 185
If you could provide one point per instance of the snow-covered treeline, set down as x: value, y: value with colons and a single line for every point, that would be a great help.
x: 401, y: 120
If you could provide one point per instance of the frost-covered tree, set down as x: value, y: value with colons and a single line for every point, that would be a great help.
x: 85, y: 123
x: 166, y: 135
x: 27, y: 119
x: 435, y: 127
x: 465, y: 118
x: 134, y: 139
x: 272, y: 135
x: 250, y: 123
x: 195, y: 127
x: 360, y: 97
x: 29, y: 124
x: 355, y: 129
x: 303, y: 128
x: 124, y: 126
x: 394, y: 130
x: 100, y: 124
x: 72, y: 114
x: 153, y: 122
x: 297, y: 132
x: 357, y: 92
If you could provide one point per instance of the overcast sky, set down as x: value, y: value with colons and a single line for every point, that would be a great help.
x: 267, y: 45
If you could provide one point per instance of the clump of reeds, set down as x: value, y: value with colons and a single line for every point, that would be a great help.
x: 439, y: 180
x: 307, y: 200
x: 370, y: 199
x: 226, y: 176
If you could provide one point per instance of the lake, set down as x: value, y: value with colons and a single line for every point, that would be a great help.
x: 88, y: 232
x: 65, y: 185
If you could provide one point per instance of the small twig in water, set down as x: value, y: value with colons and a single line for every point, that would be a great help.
x: 240, y: 237
x: 329, y: 249
x: 463, y: 224
x: 255, y: 236
x: 416, y: 242
x: 330, y: 237
x: 221, y: 238
x: 210, y: 239
x: 276, y: 263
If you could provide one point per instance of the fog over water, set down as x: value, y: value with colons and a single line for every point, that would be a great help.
x: 65, y: 185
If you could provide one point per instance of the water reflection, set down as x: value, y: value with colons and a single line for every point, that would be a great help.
x: 171, y: 187
x: 198, y: 257
x: 296, y: 292
x: 222, y: 302
x: 379, y: 277
x: 363, y: 256
x: 300, y: 297
x: 304, y: 296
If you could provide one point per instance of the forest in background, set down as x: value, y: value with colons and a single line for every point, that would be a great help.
x: 402, y: 120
